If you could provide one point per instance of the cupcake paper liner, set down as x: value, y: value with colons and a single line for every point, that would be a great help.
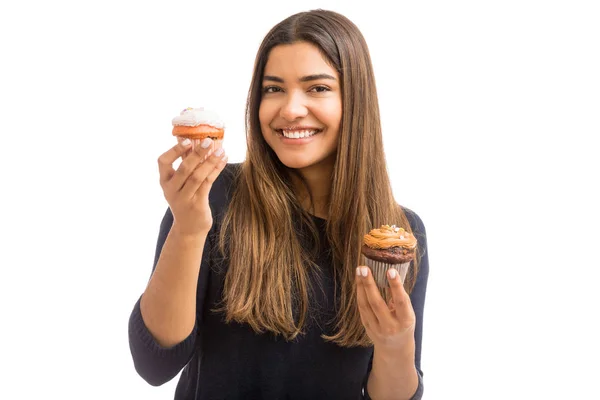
x: 379, y: 270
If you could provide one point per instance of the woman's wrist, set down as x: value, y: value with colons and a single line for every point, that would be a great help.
x: 393, y: 374
x: 186, y: 236
x: 387, y: 358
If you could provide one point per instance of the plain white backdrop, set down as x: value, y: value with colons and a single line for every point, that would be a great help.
x: 489, y: 111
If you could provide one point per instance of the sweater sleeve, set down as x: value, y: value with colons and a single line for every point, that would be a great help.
x: 154, y: 363
x: 417, y: 298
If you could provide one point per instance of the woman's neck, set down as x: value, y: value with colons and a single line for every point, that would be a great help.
x: 318, y: 180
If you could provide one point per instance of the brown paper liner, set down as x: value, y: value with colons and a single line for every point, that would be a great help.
x: 379, y: 270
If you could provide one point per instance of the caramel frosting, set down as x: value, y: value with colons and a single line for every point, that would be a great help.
x: 390, y: 236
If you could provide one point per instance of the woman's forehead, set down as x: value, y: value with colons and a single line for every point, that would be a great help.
x: 298, y: 60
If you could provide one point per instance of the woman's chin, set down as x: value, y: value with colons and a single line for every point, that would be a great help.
x: 295, y: 163
x: 306, y: 161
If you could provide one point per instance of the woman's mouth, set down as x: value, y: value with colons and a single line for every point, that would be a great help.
x: 295, y: 134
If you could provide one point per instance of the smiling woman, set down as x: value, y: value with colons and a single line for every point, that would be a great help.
x: 301, y: 107
x: 259, y: 289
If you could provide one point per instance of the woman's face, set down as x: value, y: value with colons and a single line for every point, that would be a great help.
x: 301, y: 106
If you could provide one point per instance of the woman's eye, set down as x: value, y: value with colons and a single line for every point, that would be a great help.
x: 271, y: 89
x: 319, y: 89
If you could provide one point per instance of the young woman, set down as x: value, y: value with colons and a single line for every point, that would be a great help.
x: 257, y: 289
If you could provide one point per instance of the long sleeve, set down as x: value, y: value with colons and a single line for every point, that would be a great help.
x: 154, y: 363
x: 417, y: 298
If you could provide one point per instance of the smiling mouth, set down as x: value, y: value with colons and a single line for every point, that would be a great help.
x: 297, y: 133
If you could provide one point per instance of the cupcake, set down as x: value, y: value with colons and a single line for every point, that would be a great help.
x: 388, y: 247
x: 197, y: 124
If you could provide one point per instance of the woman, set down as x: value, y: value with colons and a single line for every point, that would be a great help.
x: 257, y: 291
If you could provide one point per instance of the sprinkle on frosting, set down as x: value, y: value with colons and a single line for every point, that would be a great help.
x: 390, y: 236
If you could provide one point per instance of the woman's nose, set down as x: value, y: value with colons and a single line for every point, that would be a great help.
x: 294, y: 107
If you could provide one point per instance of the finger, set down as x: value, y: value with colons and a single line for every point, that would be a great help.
x: 377, y: 303
x: 205, y: 148
x: 205, y: 187
x: 166, y: 160
x: 367, y: 316
x: 200, y: 174
x: 185, y: 170
x: 400, y: 297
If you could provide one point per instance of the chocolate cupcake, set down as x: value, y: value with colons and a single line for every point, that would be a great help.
x: 388, y: 247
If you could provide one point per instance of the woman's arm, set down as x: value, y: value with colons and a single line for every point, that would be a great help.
x: 394, y: 375
x: 163, y: 326
x: 161, y: 349
x: 168, y: 305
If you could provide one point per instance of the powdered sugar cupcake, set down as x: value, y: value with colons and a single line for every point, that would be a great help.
x: 198, y: 124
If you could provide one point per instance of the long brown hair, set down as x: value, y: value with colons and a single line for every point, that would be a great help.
x: 267, y: 283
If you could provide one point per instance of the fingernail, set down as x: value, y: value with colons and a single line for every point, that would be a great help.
x: 358, y: 271
x: 186, y: 142
x: 364, y: 271
x: 205, y: 143
x: 393, y: 273
x: 219, y: 152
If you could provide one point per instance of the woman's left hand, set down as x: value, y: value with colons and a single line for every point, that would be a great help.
x: 390, y: 326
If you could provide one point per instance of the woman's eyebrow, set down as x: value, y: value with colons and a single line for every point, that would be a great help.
x: 316, y: 77
x: 306, y: 78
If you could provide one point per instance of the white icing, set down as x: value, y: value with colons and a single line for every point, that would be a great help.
x: 198, y: 116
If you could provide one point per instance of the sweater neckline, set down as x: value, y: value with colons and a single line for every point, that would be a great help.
x: 318, y: 218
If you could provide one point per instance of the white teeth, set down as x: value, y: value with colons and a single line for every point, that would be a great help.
x: 298, y: 134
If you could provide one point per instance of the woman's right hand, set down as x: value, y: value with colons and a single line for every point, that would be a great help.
x: 186, y: 189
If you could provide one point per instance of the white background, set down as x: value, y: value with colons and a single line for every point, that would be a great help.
x: 489, y: 110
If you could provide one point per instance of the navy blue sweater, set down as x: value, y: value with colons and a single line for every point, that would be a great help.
x: 230, y: 361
